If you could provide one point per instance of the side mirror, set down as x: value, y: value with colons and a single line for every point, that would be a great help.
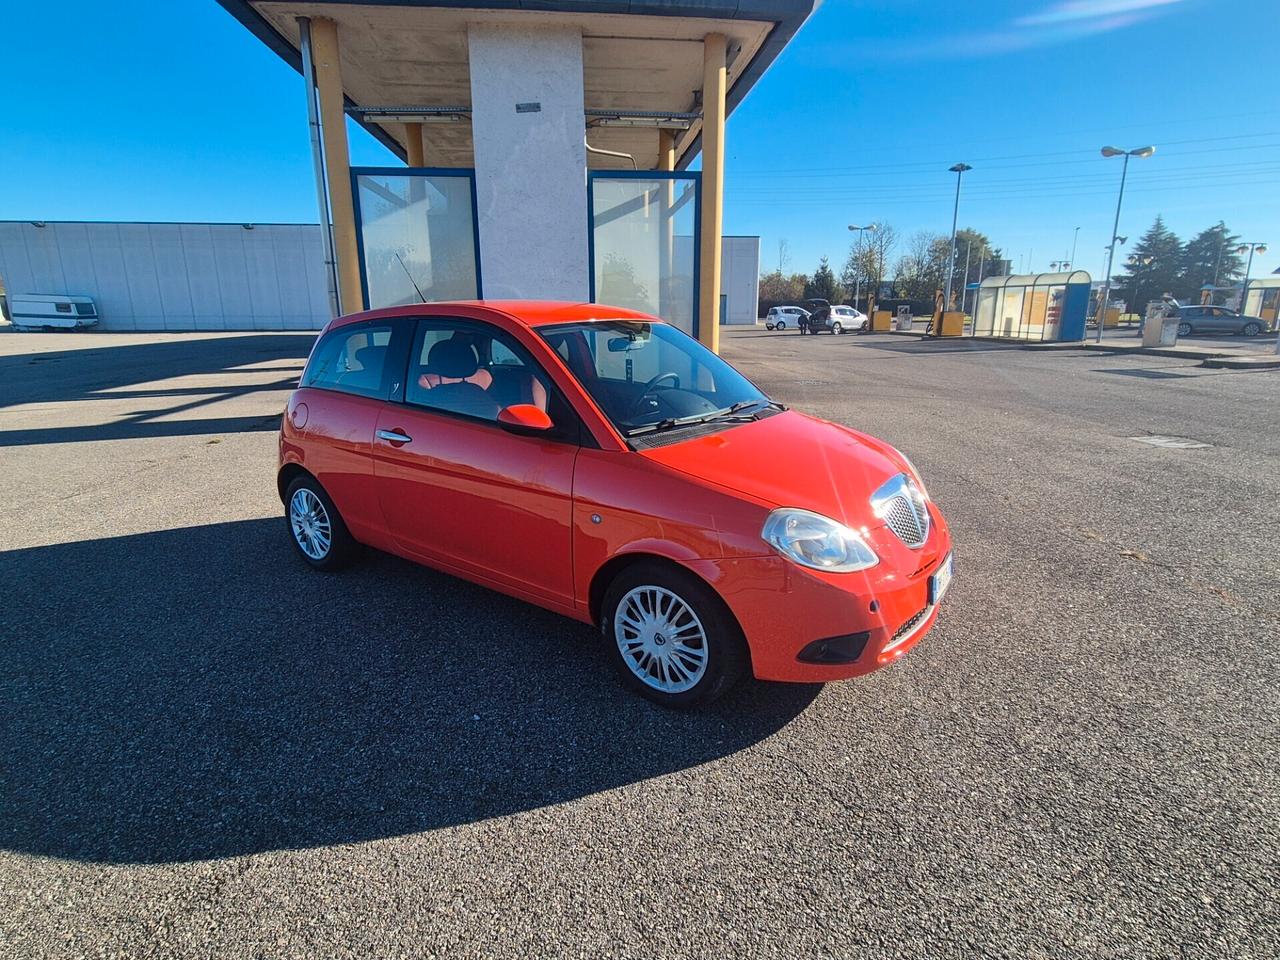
x: 524, y: 418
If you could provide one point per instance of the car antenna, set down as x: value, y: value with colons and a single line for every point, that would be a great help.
x: 411, y: 280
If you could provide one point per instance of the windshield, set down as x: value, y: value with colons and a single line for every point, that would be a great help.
x: 651, y: 376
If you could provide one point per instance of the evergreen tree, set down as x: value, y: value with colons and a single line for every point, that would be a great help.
x: 1154, y: 267
x: 1211, y: 253
x: 822, y: 285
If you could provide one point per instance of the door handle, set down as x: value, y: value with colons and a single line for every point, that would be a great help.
x: 394, y: 436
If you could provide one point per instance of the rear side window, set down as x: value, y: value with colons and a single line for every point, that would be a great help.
x: 352, y: 359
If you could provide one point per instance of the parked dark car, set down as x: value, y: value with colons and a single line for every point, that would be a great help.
x: 1209, y: 319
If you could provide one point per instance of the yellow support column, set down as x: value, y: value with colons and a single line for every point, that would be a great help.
x: 714, y: 81
x: 415, y: 153
x: 333, y: 119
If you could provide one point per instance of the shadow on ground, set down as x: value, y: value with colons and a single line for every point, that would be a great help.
x: 199, y: 693
x: 107, y: 373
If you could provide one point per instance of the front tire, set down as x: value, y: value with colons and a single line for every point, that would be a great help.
x: 1252, y: 329
x: 781, y: 325
x: 315, y: 526
x: 670, y: 636
x: 1184, y: 329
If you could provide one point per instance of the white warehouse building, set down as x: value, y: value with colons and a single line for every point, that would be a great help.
x: 226, y: 276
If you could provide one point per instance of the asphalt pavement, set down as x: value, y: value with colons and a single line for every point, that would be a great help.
x: 207, y: 749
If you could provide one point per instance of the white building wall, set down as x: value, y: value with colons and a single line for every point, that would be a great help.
x: 531, y: 167
x: 174, y: 276
x: 740, y: 278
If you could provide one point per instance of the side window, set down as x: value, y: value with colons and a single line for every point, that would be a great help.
x: 352, y: 359
x: 474, y: 370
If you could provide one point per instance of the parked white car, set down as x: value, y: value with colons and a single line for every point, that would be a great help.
x: 780, y: 318
x: 848, y: 319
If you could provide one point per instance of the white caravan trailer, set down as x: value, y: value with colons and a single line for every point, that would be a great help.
x: 36, y: 311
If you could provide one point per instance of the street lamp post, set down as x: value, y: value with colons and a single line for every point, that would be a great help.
x: 857, y: 295
x: 1074, y: 240
x: 1222, y: 246
x: 959, y: 170
x: 1111, y: 251
x: 1249, y: 248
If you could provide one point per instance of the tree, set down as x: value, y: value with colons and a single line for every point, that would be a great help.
x: 1154, y: 267
x: 784, y: 254
x: 822, y: 285
x: 777, y: 288
x: 865, y: 265
x: 922, y: 270
x: 1210, y: 254
x: 974, y: 251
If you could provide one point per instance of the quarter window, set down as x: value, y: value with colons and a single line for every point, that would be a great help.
x: 352, y: 359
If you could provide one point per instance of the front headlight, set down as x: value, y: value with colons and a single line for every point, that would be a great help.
x: 817, y: 542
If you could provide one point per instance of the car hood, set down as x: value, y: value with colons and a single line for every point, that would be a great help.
x: 790, y: 460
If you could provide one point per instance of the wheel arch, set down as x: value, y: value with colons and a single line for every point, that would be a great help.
x: 288, y: 473
x: 611, y: 568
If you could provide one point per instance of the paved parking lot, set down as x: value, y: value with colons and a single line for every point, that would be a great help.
x: 209, y: 750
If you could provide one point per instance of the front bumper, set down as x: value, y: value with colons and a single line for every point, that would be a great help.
x: 784, y: 608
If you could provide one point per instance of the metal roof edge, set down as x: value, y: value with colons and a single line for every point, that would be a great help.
x: 788, y: 17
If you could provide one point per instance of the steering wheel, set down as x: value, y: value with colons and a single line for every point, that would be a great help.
x: 648, y: 389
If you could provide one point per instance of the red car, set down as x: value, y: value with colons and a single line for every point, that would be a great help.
x: 603, y: 464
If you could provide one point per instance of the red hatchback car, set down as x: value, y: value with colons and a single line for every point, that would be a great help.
x: 603, y: 464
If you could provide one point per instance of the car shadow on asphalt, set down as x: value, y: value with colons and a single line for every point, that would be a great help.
x: 200, y: 693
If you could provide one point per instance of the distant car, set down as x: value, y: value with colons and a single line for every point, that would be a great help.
x: 845, y: 318
x: 1209, y: 319
x: 823, y: 317
x: 779, y: 318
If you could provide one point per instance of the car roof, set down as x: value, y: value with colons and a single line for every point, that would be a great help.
x: 531, y: 313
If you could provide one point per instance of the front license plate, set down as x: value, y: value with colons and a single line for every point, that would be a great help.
x: 939, y: 582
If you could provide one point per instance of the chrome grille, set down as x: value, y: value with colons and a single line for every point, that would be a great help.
x: 901, y: 505
x: 906, y: 630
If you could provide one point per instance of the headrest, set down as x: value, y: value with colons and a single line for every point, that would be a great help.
x: 455, y: 359
x: 371, y: 357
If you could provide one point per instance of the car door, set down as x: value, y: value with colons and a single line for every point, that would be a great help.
x: 454, y: 486
x: 352, y: 370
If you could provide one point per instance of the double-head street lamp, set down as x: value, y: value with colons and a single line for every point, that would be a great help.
x: 858, y: 283
x: 960, y: 169
x: 1251, y: 249
x: 1057, y: 265
x: 1111, y: 249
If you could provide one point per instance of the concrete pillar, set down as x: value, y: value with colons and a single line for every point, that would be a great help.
x: 531, y: 163
x: 714, y: 81
x: 324, y: 51
x: 415, y: 152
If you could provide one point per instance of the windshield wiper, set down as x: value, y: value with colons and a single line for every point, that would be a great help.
x: 728, y: 413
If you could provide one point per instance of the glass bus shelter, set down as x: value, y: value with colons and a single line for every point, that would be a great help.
x: 1041, y: 307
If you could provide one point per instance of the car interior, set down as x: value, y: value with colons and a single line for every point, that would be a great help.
x: 470, y: 372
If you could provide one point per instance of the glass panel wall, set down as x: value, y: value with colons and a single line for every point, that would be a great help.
x: 644, y: 243
x: 417, y: 235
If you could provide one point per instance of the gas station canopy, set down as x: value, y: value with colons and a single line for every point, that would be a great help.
x: 406, y: 61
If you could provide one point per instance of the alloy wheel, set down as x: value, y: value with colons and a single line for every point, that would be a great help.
x: 661, y: 639
x: 310, y: 524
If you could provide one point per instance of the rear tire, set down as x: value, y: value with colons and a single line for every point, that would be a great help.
x: 836, y: 328
x: 1252, y: 329
x: 670, y: 636
x: 1184, y: 329
x: 316, y: 529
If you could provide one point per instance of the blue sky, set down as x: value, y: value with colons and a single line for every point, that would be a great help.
x: 175, y: 112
